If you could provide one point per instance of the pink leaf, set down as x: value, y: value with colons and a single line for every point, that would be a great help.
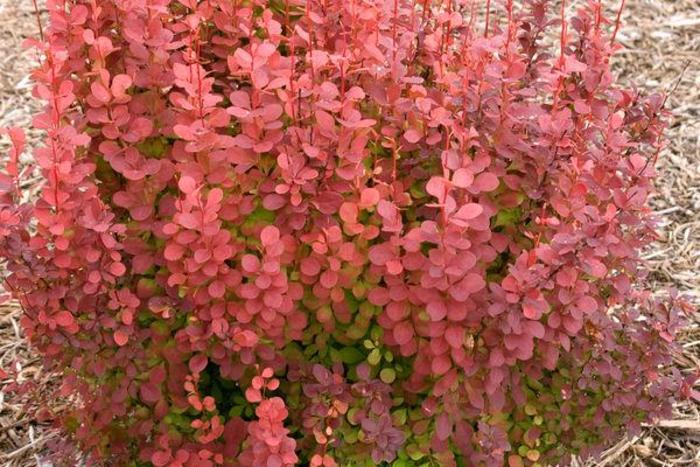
x: 486, y: 182
x: 571, y: 65
x: 443, y: 426
x: 243, y: 58
x: 149, y: 392
x: 403, y: 332
x: 64, y: 318
x: 455, y: 336
x: 100, y: 92
x: 587, y: 304
x: 269, y: 235
x: 469, y: 211
x: 412, y: 136
x: 380, y: 254
x: 120, y: 337
x: 187, y: 184
x: 369, y: 197
x: 120, y: 84
x: 253, y: 395
x: 436, y: 310
x: 437, y: 187
x: 216, y: 289
x: 462, y: 178
x: 160, y: 458
x: 440, y: 364
x: 173, y: 252
x: 198, y: 363
x: 348, y: 212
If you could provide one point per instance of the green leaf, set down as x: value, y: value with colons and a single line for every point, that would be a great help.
x: 374, y: 357
x: 400, y: 417
x: 388, y: 356
x: 351, y: 355
x: 376, y: 333
x: 154, y: 147
x: 259, y: 216
x: 357, y: 331
x: 387, y: 375
x: 414, y: 452
x: 236, y: 411
x: 335, y: 355
x: 350, y: 436
x: 351, y: 301
x: 351, y: 416
x: 506, y: 217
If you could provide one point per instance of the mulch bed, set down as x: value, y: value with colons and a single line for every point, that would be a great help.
x: 663, y: 52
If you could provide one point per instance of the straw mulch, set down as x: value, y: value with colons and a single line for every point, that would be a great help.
x: 663, y: 52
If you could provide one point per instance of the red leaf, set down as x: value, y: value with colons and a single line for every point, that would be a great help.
x: 216, y: 289
x: 120, y: 84
x: 149, y: 392
x: 187, y: 184
x: 380, y: 254
x: 443, y: 426
x: 365, y: 123
x: 348, y: 212
x: 469, y: 211
x: 369, y: 197
x: 269, y: 235
x: 486, y: 182
x: 412, y: 136
x: 455, y: 336
x: 436, y: 310
x: 253, y: 395
x: 437, y: 187
x: 403, y: 332
x: 173, y: 251
x: 571, y: 65
x: 160, y: 458
x: 243, y: 58
x: 587, y: 304
x: 120, y: 337
x: 198, y: 363
x: 531, y: 312
x: 100, y: 92
x: 462, y: 178
x: 440, y: 364
x: 64, y: 318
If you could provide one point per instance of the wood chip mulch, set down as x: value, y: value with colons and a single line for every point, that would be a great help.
x: 662, y: 40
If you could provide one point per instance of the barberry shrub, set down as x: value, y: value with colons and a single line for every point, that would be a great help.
x: 340, y: 232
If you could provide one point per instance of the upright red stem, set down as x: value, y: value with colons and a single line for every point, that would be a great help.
x: 488, y: 17
x: 598, y: 8
x: 292, y: 48
x: 509, y: 8
x: 37, y: 14
x: 562, y: 39
x: 617, y: 22
x: 393, y: 31
x: 472, y: 17
x: 425, y: 11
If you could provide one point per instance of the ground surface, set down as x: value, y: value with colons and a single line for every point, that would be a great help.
x: 662, y: 39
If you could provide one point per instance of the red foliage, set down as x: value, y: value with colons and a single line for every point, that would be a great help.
x: 422, y: 223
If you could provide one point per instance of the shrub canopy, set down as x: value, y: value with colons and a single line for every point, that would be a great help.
x: 339, y: 232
